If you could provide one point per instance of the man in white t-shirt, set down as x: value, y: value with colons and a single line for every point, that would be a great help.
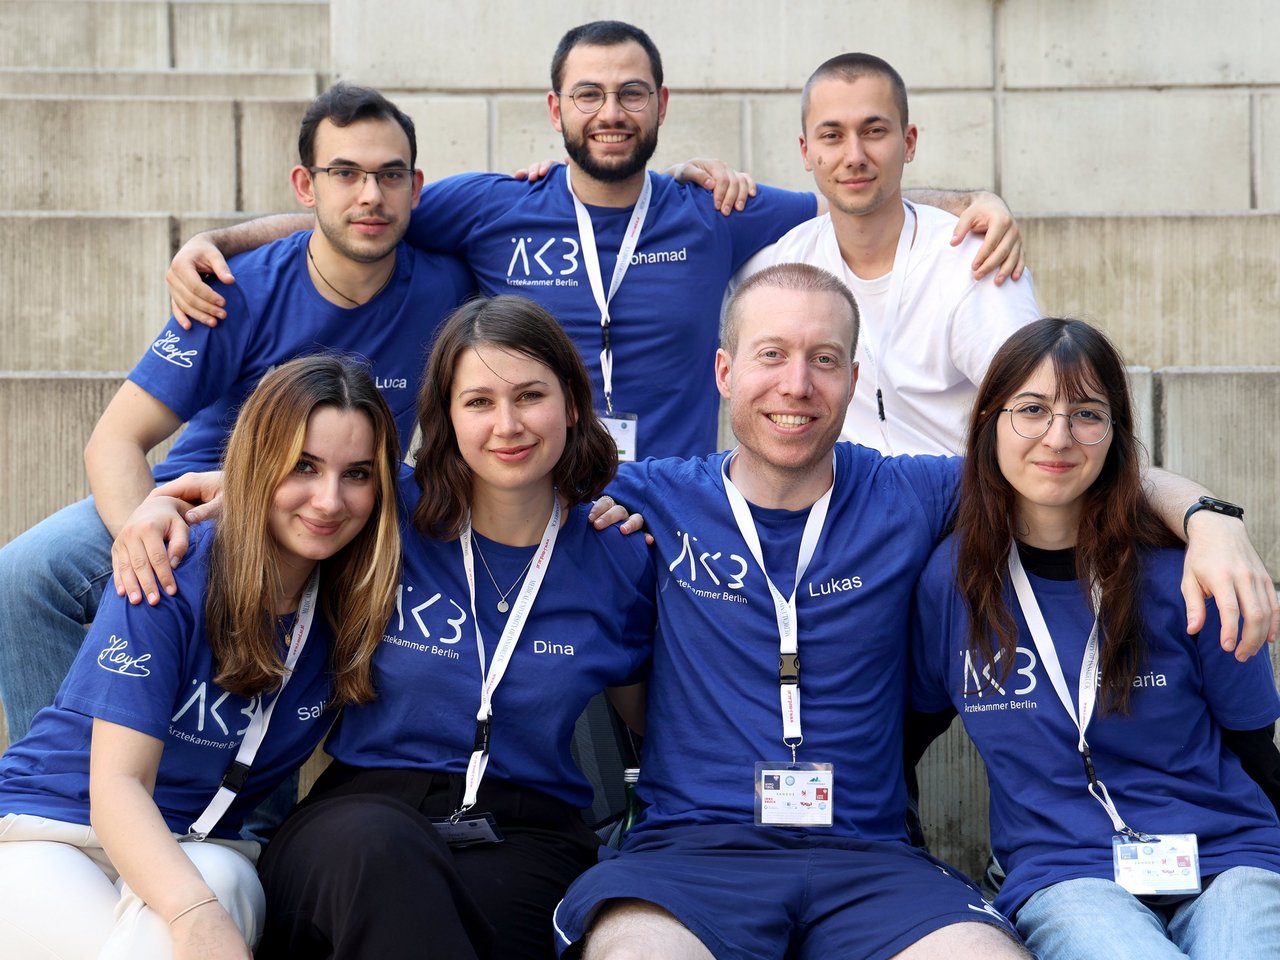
x: 929, y: 328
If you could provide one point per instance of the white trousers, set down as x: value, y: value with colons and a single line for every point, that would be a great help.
x: 61, y: 899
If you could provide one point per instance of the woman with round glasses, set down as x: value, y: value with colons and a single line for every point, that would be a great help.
x: 1052, y: 620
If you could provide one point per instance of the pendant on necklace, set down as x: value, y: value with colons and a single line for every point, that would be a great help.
x: 503, y: 606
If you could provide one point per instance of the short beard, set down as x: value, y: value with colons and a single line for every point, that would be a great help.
x: 580, y: 152
x: 338, y: 241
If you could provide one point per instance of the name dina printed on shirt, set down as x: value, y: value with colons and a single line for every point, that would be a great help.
x: 554, y: 261
x: 168, y: 347
x: 993, y: 688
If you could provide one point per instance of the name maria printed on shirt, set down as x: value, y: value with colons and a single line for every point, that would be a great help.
x: 711, y: 575
x: 991, y: 680
x: 554, y: 262
x: 439, y: 622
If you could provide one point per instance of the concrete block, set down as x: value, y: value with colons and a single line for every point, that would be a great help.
x: 767, y: 45
x: 46, y: 420
x: 80, y: 293
x: 1268, y: 155
x: 773, y: 148
x: 453, y: 133
x: 522, y: 133
x: 288, y: 35
x: 704, y: 125
x: 268, y: 151
x: 89, y: 34
x: 1142, y: 386
x: 155, y: 83
x: 1142, y: 42
x: 1125, y: 151
x: 117, y: 154
x: 1218, y: 427
x: 954, y: 801
x: 1171, y: 291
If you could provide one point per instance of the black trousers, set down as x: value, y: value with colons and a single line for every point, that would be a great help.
x: 358, y: 872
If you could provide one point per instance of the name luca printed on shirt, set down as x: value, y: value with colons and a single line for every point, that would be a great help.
x: 715, y: 575
x: 554, y: 261
x: 204, y: 718
x: 435, y: 624
x: 991, y: 688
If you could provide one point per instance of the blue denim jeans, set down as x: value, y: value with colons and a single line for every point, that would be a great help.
x: 1238, y: 916
x: 51, y: 580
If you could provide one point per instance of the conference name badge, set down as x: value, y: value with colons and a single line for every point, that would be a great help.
x: 794, y: 794
x: 622, y: 427
x: 1168, y: 863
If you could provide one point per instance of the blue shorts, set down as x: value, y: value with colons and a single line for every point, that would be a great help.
x: 765, y: 893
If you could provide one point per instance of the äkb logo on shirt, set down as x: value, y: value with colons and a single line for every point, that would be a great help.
x: 543, y: 263
x: 426, y: 615
x: 210, y: 714
x: 695, y: 570
x: 115, y: 658
x: 166, y: 348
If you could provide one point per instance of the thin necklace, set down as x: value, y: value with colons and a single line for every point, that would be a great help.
x: 503, y: 606
x: 351, y: 300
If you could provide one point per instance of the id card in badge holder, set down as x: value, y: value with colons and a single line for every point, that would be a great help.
x: 794, y: 794
x: 1169, y: 864
x: 467, y: 830
x: 622, y: 427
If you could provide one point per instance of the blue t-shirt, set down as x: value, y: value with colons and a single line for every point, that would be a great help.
x: 151, y: 669
x: 274, y: 314
x: 591, y: 627
x: 1163, y: 764
x: 713, y: 707
x: 665, y: 318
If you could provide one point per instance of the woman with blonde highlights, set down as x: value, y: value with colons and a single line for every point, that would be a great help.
x: 1122, y: 754
x: 177, y: 719
x: 448, y: 825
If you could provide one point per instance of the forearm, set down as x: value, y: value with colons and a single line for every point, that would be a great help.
x: 140, y: 846
x: 119, y: 478
x: 954, y: 202
x: 1170, y: 495
x: 242, y: 237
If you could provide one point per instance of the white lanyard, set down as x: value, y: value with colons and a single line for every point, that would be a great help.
x: 489, y: 679
x: 784, y: 608
x: 233, y: 780
x: 892, y: 307
x: 591, y: 260
x: 1088, y: 686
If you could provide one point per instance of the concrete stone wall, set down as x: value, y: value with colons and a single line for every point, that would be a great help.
x: 1083, y: 107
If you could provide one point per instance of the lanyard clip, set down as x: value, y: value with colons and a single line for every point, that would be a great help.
x: 481, y: 743
x: 789, y: 668
x: 236, y: 776
x: 1089, y: 772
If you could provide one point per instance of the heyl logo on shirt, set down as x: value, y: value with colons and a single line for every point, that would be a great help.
x: 114, y: 658
x: 166, y: 348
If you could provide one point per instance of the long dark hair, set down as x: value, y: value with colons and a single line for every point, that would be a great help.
x: 357, y: 584
x: 1116, y: 521
x: 590, y: 455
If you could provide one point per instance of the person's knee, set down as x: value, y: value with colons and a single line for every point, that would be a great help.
x: 971, y: 939
x: 639, y: 930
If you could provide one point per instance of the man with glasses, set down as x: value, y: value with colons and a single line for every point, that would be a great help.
x: 632, y: 264
x: 350, y: 284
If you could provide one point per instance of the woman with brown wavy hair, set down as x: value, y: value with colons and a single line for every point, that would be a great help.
x: 176, y: 720
x: 1052, y: 620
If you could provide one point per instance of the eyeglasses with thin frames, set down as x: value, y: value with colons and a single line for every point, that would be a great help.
x: 1088, y: 425
x: 589, y: 98
x: 389, y: 179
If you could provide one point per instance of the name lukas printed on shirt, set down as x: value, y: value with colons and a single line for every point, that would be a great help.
x: 115, y: 658
x: 167, y: 348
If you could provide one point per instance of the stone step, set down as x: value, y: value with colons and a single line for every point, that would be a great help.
x: 142, y: 35
x: 32, y: 81
x: 165, y: 154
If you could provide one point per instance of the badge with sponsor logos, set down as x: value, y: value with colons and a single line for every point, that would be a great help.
x: 794, y: 794
x: 1167, y: 863
x: 622, y: 427
x: 468, y: 829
